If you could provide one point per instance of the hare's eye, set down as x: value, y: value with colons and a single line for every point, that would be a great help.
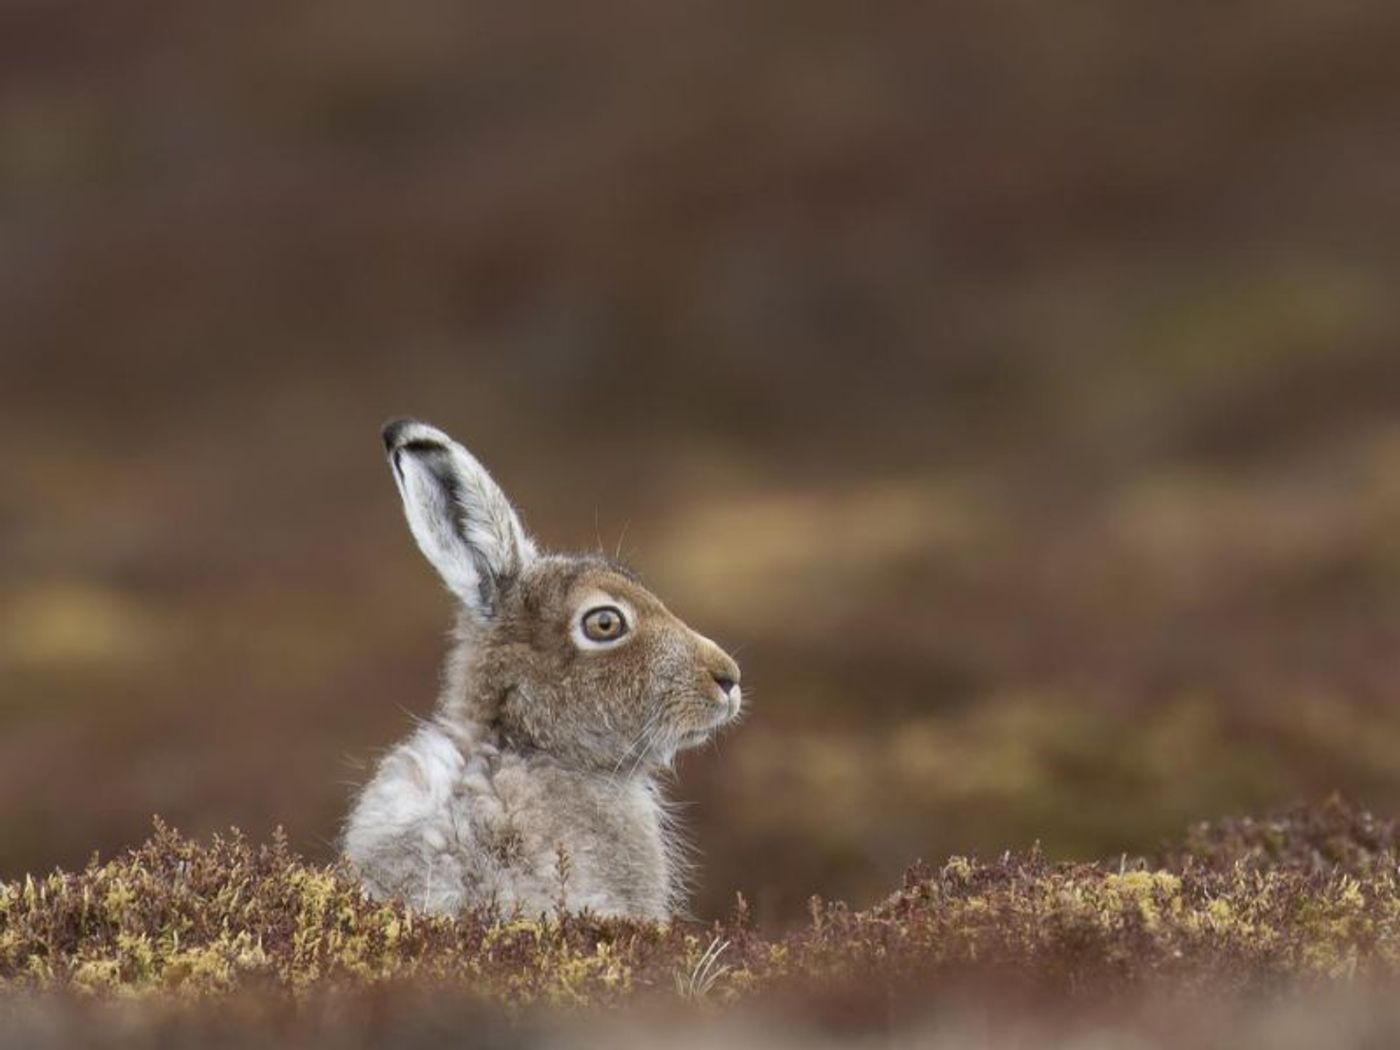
x: 604, y: 624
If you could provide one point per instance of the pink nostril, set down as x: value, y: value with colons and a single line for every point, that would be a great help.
x: 726, y: 685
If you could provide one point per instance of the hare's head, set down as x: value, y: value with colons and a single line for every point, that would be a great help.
x: 566, y: 654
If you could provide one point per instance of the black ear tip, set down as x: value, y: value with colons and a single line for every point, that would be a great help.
x: 393, y: 433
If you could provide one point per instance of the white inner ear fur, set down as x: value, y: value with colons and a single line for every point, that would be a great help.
x: 460, y: 518
x: 431, y: 518
x: 594, y: 600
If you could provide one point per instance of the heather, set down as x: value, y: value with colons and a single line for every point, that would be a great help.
x: 1242, y: 904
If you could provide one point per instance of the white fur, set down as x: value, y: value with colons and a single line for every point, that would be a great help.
x: 462, y: 521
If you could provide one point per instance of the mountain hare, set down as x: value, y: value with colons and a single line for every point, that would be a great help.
x: 568, y: 688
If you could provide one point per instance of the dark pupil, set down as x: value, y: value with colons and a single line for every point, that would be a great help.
x: 605, y: 623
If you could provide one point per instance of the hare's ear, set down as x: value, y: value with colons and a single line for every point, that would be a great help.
x: 460, y: 517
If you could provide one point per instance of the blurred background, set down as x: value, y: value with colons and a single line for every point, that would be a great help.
x: 1013, y: 386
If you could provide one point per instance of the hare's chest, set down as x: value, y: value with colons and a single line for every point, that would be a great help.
x: 447, y: 828
x: 583, y: 842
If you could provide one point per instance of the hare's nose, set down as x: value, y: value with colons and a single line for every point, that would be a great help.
x: 724, y: 672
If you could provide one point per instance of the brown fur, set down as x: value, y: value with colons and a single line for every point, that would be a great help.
x: 526, y: 680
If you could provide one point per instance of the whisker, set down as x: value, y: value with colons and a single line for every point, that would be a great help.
x: 636, y: 740
x: 642, y: 751
x: 641, y: 754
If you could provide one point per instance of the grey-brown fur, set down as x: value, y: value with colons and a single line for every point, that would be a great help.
x: 533, y: 784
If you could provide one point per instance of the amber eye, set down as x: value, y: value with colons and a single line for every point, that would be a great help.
x: 604, y: 624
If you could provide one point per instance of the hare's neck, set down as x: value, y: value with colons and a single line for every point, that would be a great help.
x: 461, y: 702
